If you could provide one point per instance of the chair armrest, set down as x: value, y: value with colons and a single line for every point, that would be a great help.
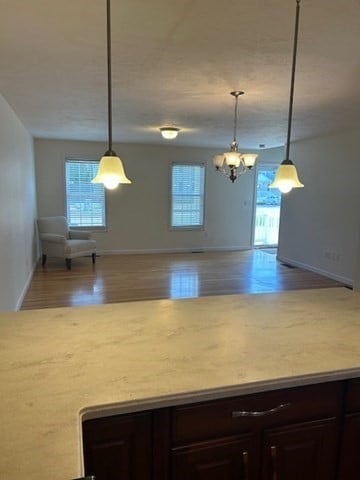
x: 79, y: 234
x: 52, y: 237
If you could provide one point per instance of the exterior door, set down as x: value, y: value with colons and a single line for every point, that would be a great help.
x: 267, y: 208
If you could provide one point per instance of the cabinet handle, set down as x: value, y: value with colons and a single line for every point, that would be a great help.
x: 246, y: 413
x: 273, y: 462
x: 245, y: 458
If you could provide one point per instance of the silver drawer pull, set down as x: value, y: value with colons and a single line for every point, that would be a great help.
x: 245, y: 413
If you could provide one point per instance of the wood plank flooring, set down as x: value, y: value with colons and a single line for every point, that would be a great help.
x: 120, y: 278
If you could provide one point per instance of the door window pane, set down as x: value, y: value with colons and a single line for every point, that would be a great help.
x: 267, y: 214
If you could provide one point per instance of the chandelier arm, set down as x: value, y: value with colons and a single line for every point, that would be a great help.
x: 108, y: 38
x: 291, y: 101
x: 241, y: 170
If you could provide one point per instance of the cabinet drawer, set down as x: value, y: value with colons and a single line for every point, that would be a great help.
x: 218, y: 418
x: 352, y: 402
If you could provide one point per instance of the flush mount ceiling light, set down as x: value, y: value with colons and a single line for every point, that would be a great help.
x: 237, y: 163
x: 286, y: 176
x: 169, y: 133
x: 111, y: 171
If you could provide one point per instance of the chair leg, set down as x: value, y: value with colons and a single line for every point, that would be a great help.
x: 43, y: 259
x: 68, y: 263
x: 93, y: 256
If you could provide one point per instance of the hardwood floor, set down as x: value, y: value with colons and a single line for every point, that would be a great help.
x: 120, y: 278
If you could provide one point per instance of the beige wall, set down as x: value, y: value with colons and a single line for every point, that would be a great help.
x: 320, y: 223
x: 18, y: 245
x: 138, y: 214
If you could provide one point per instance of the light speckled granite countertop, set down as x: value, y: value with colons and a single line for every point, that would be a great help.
x: 58, y: 364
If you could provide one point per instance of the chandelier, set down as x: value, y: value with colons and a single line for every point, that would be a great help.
x: 286, y: 176
x: 111, y: 171
x: 237, y: 163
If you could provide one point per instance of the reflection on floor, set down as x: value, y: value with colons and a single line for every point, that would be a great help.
x: 120, y: 278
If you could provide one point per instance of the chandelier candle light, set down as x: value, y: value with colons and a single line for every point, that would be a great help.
x: 238, y: 163
x: 286, y: 176
x: 111, y: 171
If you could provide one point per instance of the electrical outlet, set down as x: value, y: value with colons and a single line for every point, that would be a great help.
x: 333, y: 255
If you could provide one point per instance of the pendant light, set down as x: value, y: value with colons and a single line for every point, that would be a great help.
x: 237, y: 163
x: 286, y: 176
x: 111, y: 171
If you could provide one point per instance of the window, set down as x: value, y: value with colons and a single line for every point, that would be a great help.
x: 187, y: 195
x: 85, y: 201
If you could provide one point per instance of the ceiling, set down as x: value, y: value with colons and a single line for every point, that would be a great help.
x: 175, y: 62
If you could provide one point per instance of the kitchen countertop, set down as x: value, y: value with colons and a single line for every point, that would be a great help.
x: 57, y: 365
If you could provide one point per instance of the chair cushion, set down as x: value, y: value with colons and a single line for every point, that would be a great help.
x: 76, y: 248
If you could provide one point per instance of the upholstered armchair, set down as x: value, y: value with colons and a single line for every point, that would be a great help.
x: 58, y: 240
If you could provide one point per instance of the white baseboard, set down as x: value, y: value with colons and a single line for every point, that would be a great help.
x: 320, y: 271
x: 172, y: 250
x: 25, y: 288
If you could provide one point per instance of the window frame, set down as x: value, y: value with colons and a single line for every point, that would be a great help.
x: 92, y: 228
x: 187, y: 227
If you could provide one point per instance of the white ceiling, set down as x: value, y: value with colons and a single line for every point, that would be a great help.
x: 175, y: 62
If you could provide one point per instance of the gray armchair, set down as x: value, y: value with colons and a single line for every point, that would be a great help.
x: 58, y: 240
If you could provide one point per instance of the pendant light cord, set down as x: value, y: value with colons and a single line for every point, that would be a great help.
x: 287, y: 153
x: 108, y: 23
x: 235, y: 116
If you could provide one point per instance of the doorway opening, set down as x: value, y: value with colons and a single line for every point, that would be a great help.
x: 267, y: 208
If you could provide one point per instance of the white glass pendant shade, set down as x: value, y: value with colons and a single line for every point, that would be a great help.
x: 110, y: 172
x: 169, y: 133
x: 232, y: 158
x: 286, y: 178
x: 249, y: 159
x: 218, y: 161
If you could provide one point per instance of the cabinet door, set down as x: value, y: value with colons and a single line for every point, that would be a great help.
x: 234, y: 458
x: 350, y: 449
x: 119, y: 447
x: 304, y: 451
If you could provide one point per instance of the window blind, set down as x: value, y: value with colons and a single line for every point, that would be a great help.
x: 187, y: 195
x: 85, y: 201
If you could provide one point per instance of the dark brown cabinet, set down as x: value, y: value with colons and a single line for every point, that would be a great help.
x: 299, y: 452
x: 289, y: 434
x: 119, y: 448
x: 233, y: 458
x: 349, y: 468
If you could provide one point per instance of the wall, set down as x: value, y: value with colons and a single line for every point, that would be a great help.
x: 18, y: 241
x: 319, y: 227
x: 138, y: 214
x: 320, y: 223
